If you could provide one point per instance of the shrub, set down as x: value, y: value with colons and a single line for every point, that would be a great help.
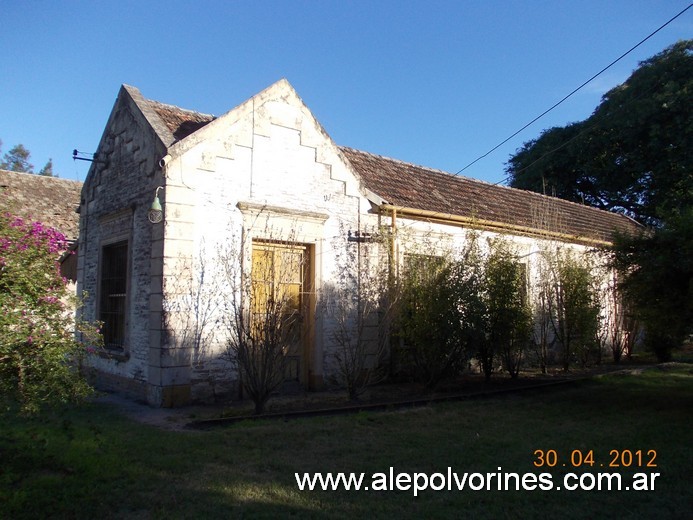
x: 575, y: 308
x: 429, y: 321
x: 509, y: 316
x: 40, y: 353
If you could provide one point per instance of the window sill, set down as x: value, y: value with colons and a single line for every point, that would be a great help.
x: 116, y: 355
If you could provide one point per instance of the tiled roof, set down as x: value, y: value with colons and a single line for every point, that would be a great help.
x: 180, y: 122
x: 419, y: 188
x: 49, y: 200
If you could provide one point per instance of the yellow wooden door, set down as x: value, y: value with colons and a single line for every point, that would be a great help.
x: 279, y: 307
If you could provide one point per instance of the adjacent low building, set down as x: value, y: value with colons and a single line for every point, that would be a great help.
x: 49, y: 200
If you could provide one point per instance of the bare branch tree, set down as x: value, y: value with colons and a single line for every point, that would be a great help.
x: 619, y: 329
x: 362, y: 305
x: 263, y: 312
x: 192, y: 309
x: 544, y: 339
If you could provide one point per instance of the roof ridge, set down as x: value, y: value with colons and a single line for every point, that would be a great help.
x: 415, y: 165
x: 169, y: 105
x: 51, y: 178
x: 170, y: 122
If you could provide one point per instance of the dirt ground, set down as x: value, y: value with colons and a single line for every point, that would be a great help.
x: 389, y: 394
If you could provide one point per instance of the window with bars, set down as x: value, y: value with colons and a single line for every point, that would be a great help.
x: 113, y: 289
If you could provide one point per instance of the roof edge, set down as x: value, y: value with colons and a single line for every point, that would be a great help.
x: 142, y: 103
x: 488, y: 185
x: 52, y: 178
x: 490, y: 225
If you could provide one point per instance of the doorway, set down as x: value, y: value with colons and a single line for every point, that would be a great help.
x: 280, y: 283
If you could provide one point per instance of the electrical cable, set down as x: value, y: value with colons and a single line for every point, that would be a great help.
x: 576, y: 89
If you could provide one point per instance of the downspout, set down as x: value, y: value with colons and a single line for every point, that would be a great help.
x: 252, y: 151
x: 394, y: 266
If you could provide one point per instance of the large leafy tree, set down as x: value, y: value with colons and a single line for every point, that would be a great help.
x: 633, y: 155
x: 657, y: 278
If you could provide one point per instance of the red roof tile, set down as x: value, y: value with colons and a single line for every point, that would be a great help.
x: 180, y: 122
x: 49, y: 200
x: 419, y: 188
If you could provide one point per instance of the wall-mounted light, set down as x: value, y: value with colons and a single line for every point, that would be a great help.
x: 156, y: 213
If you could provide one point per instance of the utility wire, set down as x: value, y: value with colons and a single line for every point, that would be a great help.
x: 586, y: 129
x: 576, y: 90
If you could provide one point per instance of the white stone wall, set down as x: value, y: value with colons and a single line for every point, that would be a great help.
x: 266, y: 170
x: 115, y: 198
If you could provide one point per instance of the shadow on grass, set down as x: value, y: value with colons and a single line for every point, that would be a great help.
x: 93, y: 463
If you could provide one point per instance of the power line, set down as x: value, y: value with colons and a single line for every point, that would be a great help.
x: 576, y: 90
x: 583, y: 131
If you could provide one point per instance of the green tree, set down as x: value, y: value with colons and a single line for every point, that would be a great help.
x: 39, y: 352
x: 429, y: 318
x: 574, y: 307
x: 656, y: 277
x: 632, y: 155
x: 47, y: 170
x: 509, y: 315
x: 17, y: 160
x: 472, y: 305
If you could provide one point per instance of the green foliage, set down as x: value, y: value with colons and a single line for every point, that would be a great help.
x: 656, y: 273
x: 472, y: 305
x: 429, y: 320
x: 17, y: 160
x: 632, y: 154
x: 509, y: 315
x: 456, y: 308
x: 575, y: 308
x: 39, y: 354
x: 47, y: 170
x: 113, y: 467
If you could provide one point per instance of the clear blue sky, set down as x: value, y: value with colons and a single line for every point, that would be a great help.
x: 437, y: 83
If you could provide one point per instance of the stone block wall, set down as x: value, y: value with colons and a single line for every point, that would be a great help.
x: 116, y: 197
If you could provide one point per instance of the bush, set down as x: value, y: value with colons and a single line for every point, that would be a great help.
x: 39, y: 352
x: 509, y: 315
x: 656, y: 277
x: 472, y: 305
x: 576, y: 308
x: 429, y: 319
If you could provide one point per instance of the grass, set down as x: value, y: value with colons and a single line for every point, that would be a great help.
x: 93, y: 463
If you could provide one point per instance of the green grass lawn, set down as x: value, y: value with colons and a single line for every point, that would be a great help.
x: 93, y: 463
